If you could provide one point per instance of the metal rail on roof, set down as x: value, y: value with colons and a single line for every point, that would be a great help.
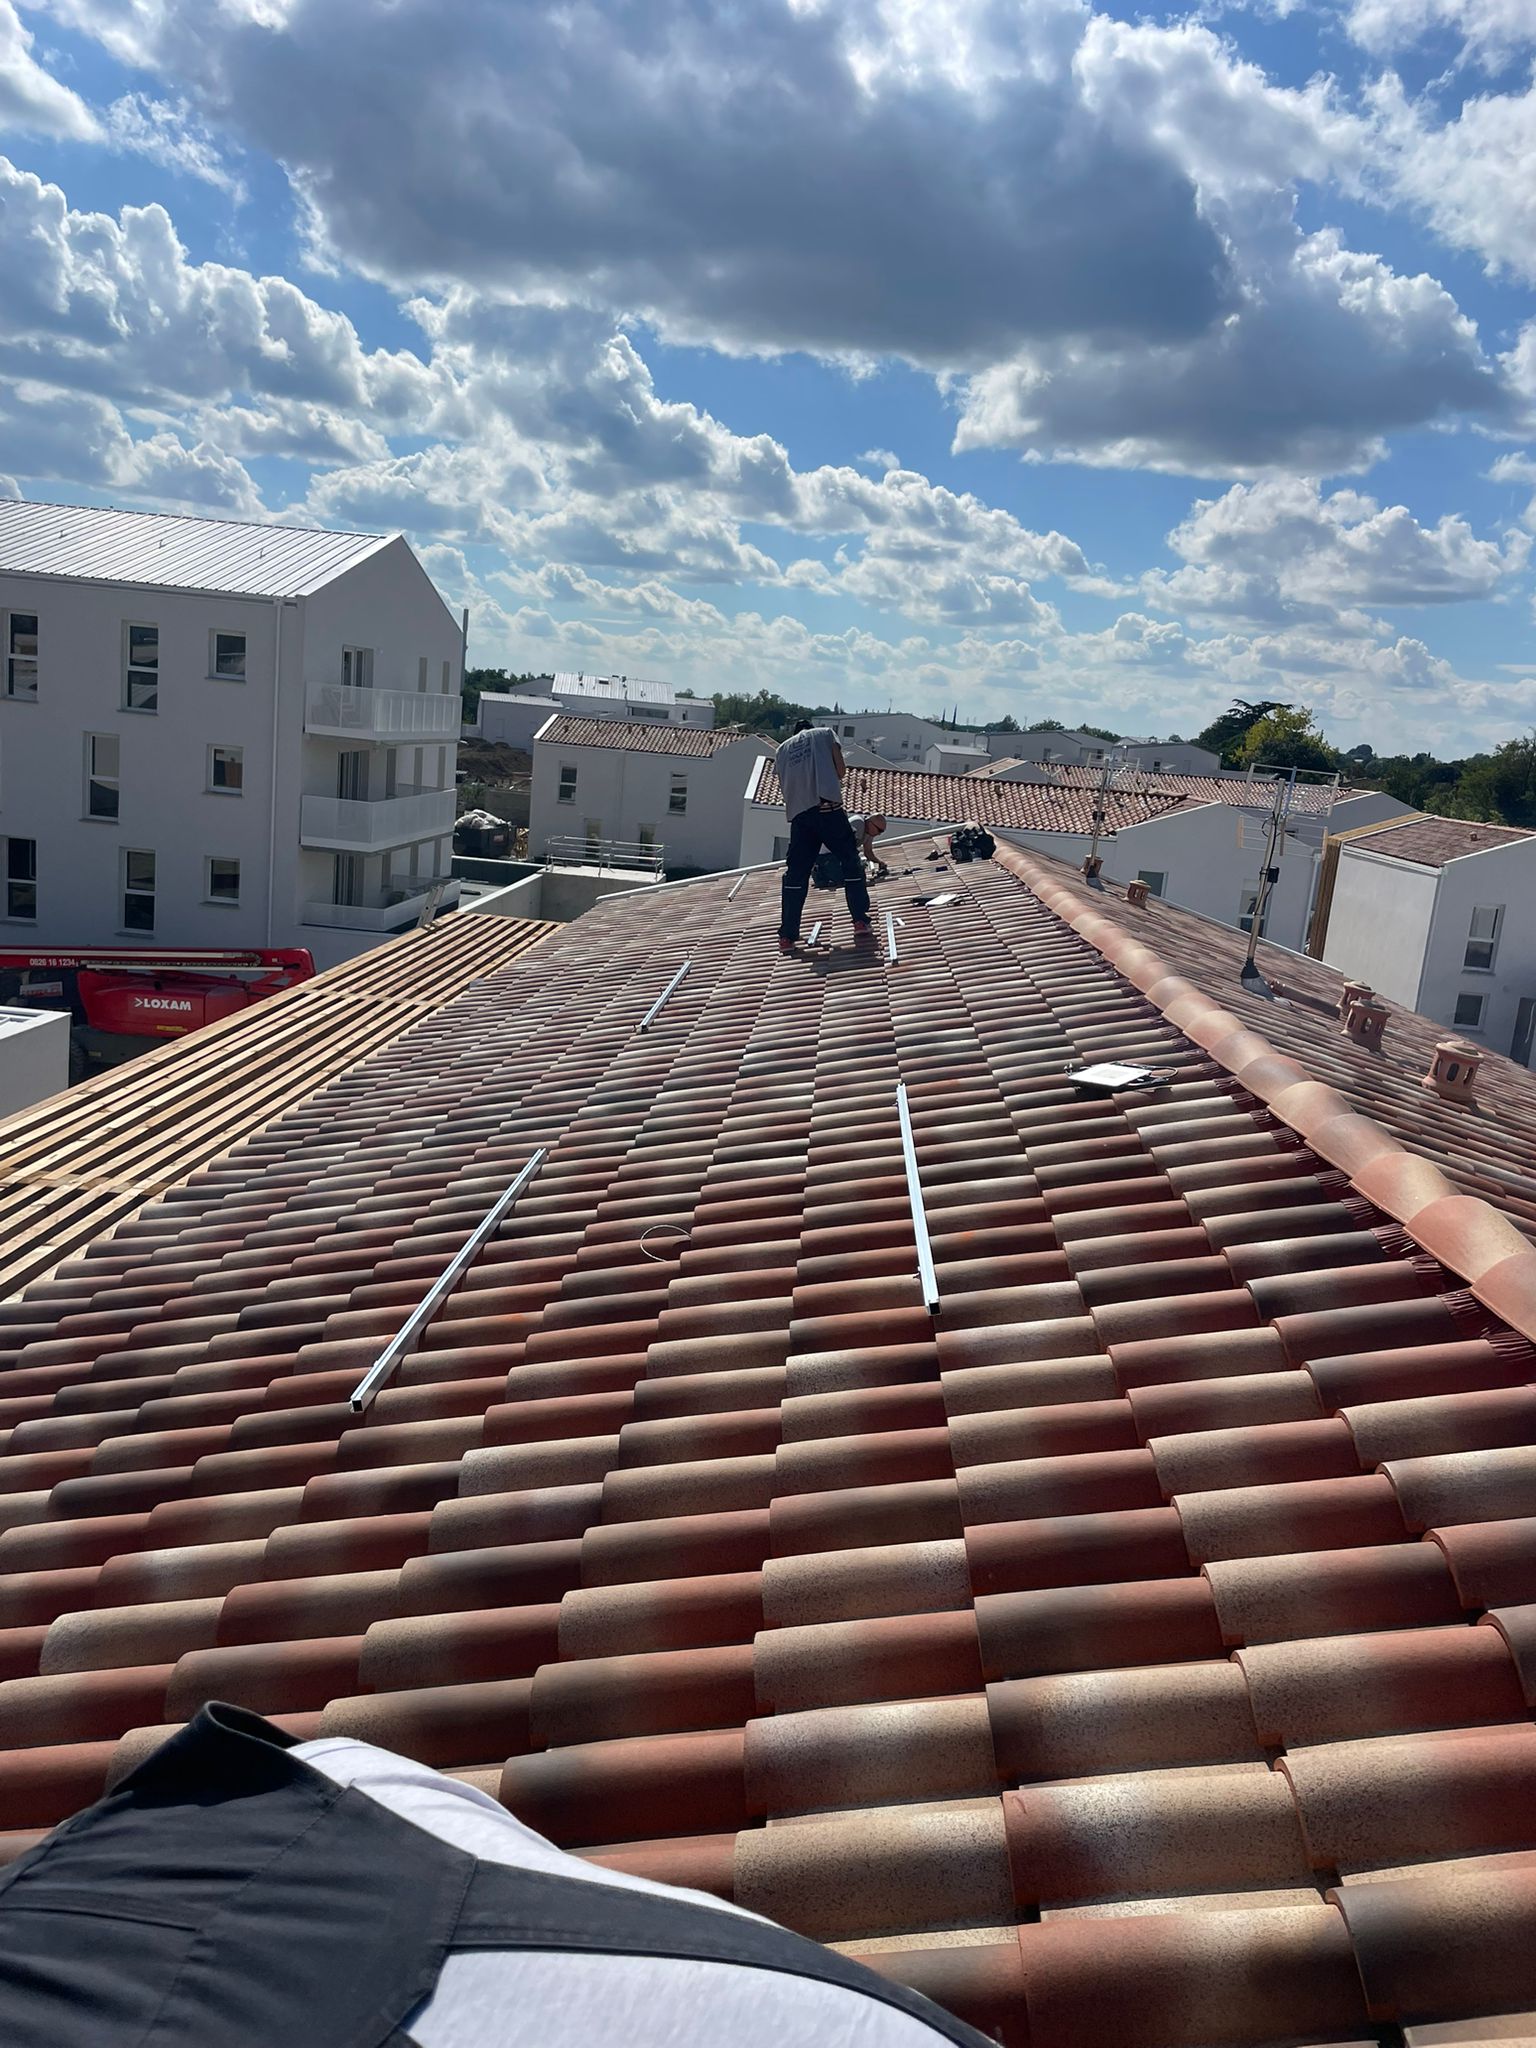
x: 891, y: 922
x: 404, y: 1340
x: 814, y: 933
x: 927, y: 1278
x: 660, y: 1003
x: 735, y: 885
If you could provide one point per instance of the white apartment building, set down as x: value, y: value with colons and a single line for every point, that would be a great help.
x: 510, y: 718
x: 215, y: 733
x: 1439, y: 914
x: 1091, y: 750
x: 618, y: 697
x: 954, y: 757
x: 667, y: 787
x: 899, y: 736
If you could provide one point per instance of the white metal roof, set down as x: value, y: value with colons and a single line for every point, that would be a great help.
x: 233, y: 557
x: 570, y: 683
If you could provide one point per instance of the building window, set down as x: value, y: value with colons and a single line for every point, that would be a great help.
x: 1156, y: 880
x: 421, y: 672
x: 567, y: 791
x: 780, y: 846
x: 226, y: 769
x: 847, y: 732
x: 647, y: 836
x: 1469, y: 1012
x: 21, y: 878
x: 447, y: 677
x: 594, y: 830
x: 138, y: 890
x: 357, y: 668
x: 1483, y: 938
x: 141, y: 668
x: 101, y: 786
x: 226, y: 657
x: 677, y: 802
x: 21, y: 654
x: 221, y: 880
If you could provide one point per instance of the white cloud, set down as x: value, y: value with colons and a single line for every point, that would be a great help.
x: 32, y: 101
x: 1472, y: 178
x: 1328, y: 352
x: 1490, y: 30
x: 1279, y: 551
x: 169, y: 135
x: 880, y: 460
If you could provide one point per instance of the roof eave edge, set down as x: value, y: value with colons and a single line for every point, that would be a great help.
x: 1469, y: 1236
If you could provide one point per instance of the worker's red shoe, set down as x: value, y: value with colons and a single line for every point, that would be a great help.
x: 787, y: 945
x: 863, y: 935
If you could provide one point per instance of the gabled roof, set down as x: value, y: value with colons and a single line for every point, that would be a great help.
x: 227, y: 557
x: 1308, y: 799
x: 926, y: 796
x: 1137, y: 1655
x: 640, y: 739
x: 1430, y: 842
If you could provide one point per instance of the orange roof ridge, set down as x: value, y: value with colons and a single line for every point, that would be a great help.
x: 1465, y: 1233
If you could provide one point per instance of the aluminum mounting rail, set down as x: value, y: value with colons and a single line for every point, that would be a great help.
x: 927, y: 1278
x: 661, y: 1001
x: 735, y: 885
x: 404, y: 1340
x: 891, y: 922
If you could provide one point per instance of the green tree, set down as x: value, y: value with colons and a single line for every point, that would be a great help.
x: 1286, y: 737
x: 765, y: 712
x: 1004, y: 724
x: 1499, y: 788
x: 1046, y: 725
x: 1225, y: 735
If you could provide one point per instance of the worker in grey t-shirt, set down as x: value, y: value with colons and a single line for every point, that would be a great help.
x: 811, y: 766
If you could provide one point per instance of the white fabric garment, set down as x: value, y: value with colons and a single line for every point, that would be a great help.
x: 518, y: 2000
x: 808, y: 771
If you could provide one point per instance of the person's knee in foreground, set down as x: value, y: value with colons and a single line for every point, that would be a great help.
x: 811, y: 767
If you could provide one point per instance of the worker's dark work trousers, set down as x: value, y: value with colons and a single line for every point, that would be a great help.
x: 808, y: 834
x: 228, y: 1895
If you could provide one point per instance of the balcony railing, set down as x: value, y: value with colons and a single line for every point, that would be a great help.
x: 628, y: 856
x: 385, y: 910
x: 355, y: 826
x: 332, y: 708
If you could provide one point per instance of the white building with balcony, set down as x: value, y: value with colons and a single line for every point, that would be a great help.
x: 633, y: 699
x: 605, y: 788
x: 215, y: 733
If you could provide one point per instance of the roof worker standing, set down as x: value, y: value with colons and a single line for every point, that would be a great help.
x: 811, y: 769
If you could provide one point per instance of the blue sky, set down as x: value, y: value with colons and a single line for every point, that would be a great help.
x: 1013, y: 355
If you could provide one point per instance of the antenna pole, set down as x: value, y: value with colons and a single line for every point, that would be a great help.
x: 1277, y: 817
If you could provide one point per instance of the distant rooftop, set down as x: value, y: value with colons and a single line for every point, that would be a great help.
x: 623, y: 689
x: 233, y: 557
x: 1433, y: 842
x: 639, y: 739
x: 1018, y: 806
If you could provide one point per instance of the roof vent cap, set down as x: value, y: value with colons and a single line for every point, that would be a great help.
x: 1350, y: 994
x: 1136, y: 894
x: 1365, y: 1021
x: 1453, y: 1070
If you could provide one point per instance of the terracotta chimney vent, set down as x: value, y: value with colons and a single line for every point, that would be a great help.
x: 1350, y: 994
x: 1366, y: 1020
x: 1136, y: 895
x: 1453, y: 1070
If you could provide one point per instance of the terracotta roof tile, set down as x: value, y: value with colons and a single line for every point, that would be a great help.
x: 639, y: 737
x: 944, y: 1639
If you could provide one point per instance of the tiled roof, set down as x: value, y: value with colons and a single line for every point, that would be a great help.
x: 1486, y: 1149
x: 1309, y: 798
x: 1022, y: 806
x: 997, y: 765
x: 167, y: 551
x: 640, y: 739
x: 1141, y: 1655
x: 71, y: 1166
x: 1430, y: 842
